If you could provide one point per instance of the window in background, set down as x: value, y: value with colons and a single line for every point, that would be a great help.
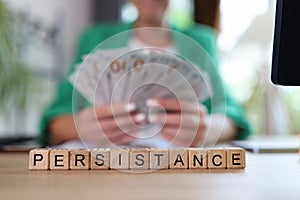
x: 38, y: 46
x: 236, y: 16
x: 245, y: 43
x: 46, y: 33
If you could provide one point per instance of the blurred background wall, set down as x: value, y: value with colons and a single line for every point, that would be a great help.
x: 47, y: 32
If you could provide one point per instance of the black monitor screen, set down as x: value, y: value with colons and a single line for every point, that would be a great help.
x: 286, y: 54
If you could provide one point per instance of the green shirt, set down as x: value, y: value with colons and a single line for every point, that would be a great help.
x: 221, y: 101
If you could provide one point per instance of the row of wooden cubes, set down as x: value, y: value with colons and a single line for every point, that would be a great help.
x: 142, y: 158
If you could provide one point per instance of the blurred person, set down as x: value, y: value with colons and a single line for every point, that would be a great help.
x: 58, y: 123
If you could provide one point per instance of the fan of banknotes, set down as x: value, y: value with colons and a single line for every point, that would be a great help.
x: 123, y: 75
x: 119, y: 75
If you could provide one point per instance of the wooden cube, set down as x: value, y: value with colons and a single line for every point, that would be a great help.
x: 39, y: 159
x: 139, y: 158
x: 79, y: 159
x: 236, y: 158
x: 119, y: 159
x: 178, y: 158
x: 216, y: 158
x: 159, y: 158
x: 197, y: 158
x: 100, y: 158
x: 59, y: 159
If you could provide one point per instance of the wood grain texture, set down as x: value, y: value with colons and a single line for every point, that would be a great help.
x: 236, y: 158
x: 216, y: 158
x: 119, y: 159
x: 178, y: 158
x: 197, y: 158
x: 139, y: 159
x: 39, y: 159
x: 59, y: 159
x: 266, y: 176
x: 159, y: 158
x: 79, y: 159
x: 100, y: 159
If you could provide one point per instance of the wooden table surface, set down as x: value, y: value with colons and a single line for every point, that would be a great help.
x: 267, y: 176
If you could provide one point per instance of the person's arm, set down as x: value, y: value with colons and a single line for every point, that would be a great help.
x: 62, y: 103
x: 105, y: 125
x: 221, y: 103
x: 62, y: 129
x: 221, y: 129
x: 57, y: 116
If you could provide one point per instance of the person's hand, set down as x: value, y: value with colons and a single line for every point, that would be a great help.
x: 184, y: 123
x: 108, y: 124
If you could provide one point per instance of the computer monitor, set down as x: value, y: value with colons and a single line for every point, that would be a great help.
x: 286, y: 53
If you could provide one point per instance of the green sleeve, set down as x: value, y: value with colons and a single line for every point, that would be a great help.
x: 234, y: 111
x: 221, y: 100
x: 62, y: 102
x: 232, y: 108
